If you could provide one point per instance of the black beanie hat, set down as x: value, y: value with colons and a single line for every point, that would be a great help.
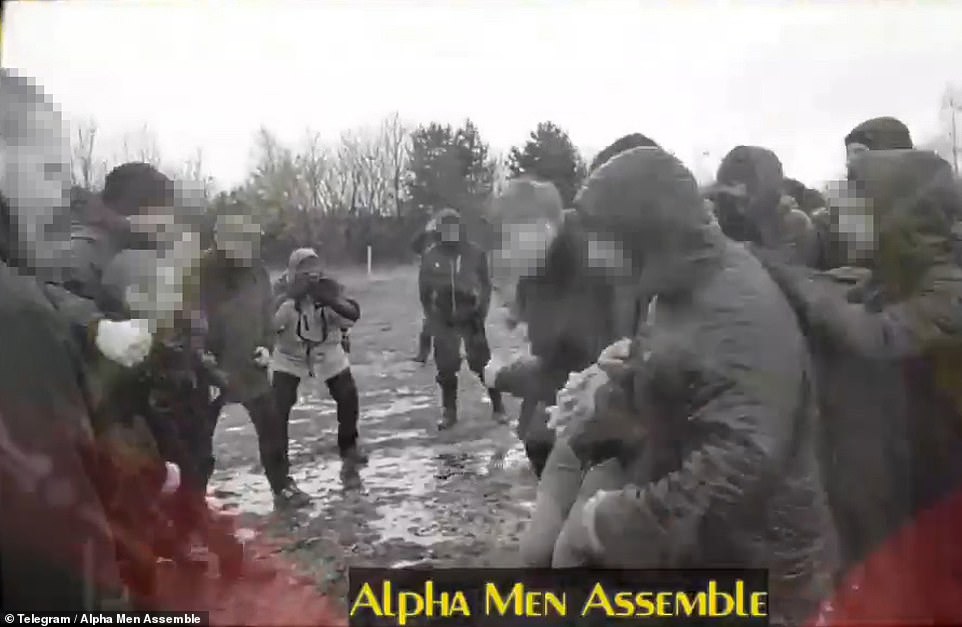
x: 131, y: 187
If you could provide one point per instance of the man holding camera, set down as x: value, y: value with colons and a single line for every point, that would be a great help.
x: 455, y: 291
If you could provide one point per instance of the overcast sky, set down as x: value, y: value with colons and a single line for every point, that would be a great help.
x: 695, y: 76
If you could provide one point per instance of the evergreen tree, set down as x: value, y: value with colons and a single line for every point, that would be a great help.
x: 549, y: 155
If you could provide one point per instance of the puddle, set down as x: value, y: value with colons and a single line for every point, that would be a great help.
x: 411, y: 522
x: 236, y: 429
x: 399, y: 406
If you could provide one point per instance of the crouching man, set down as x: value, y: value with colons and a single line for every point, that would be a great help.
x: 455, y: 291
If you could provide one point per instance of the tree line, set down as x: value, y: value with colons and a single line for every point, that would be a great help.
x: 374, y: 185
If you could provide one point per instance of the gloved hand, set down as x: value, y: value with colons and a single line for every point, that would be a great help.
x: 172, y: 481
x: 262, y: 356
x: 126, y: 342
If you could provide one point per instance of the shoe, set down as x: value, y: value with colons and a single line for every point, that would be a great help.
x: 448, y: 419
x: 354, y: 456
x: 291, y: 497
x: 421, y: 358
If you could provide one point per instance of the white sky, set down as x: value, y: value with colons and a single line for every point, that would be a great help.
x: 694, y: 76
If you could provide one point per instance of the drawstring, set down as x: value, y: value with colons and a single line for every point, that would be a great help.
x: 455, y: 269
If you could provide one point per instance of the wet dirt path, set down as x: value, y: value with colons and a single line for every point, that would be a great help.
x: 458, y: 498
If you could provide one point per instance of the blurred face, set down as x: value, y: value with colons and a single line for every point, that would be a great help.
x: 854, y: 223
x: 157, y: 223
x: 35, y: 178
x: 449, y: 232
x: 521, y: 252
x: 238, y: 238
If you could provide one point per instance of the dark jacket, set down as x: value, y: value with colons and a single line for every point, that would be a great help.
x: 237, y: 303
x: 907, y: 322
x: 724, y: 387
x: 49, y: 507
x: 454, y: 283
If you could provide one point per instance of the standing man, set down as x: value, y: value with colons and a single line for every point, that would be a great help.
x: 56, y: 547
x: 424, y: 239
x: 235, y: 295
x: 455, y: 290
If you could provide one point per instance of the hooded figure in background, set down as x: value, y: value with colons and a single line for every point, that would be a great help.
x: 722, y: 384
x: 56, y: 547
x: 424, y: 239
x: 454, y: 285
x: 906, y: 320
x: 885, y: 133
x: 751, y: 205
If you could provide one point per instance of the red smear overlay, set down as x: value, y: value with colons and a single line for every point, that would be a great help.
x: 915, y: 578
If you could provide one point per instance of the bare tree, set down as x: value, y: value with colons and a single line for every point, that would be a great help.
x: 311, y: 164
x: 396, y: 139
x: 141, y: 145
x: 951, y: 107
x: 83, y: 163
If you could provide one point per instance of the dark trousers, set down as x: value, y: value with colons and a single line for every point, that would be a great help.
x: 343, y: 390
x: 424, y: 338
x: 447, y: 349
x: 271, y: 439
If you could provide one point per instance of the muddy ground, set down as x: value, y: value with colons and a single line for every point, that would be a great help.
x: 457, y: 498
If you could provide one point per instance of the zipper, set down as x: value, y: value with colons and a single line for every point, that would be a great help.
x: 455, y: 269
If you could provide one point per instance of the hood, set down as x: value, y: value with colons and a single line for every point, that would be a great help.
x: 526, y: 199
x: 755, y: 174
x: 915, y: 202
x: 885, y: 133
x: 295, y: 260
x: 650, y: 203
x: 620, y: 145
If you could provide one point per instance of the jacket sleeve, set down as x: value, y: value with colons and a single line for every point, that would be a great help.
x: 81, y: 313
x: 284, y: 316
x: 484, y: 280
x: 424, y: 286
x: 341, y: 321
x: 266, y: 298
x: 557, y: 492
x: 901, y: 330
x: 419, y: 241
x: 746, y: 421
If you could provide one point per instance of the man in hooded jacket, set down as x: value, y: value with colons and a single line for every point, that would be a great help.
x: 56, y: 548
x: 454, y: 285
x: 752, y: 206
x: 732, y: 474
x: 905, y: 320
x: 424, y: 239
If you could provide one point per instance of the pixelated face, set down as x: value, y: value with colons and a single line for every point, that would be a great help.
x: 521, y: 252
x: 34, y: 167
x: 160, y: 224
x: 156, y: 292
x: 449, y: 232
x: 238, y: 237
x: 853, y: 220
x: 606, y: 255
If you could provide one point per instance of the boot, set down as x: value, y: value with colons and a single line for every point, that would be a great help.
x: 354, y: 456
x: 424, y: 348
x: 291, y: 497
x: 497, y: 406
x: 449, y: 402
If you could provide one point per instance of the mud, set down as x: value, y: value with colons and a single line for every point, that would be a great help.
x: 455, y: 498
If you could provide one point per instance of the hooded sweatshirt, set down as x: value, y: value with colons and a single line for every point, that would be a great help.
x: 308, y: 335
x: 885, y: 133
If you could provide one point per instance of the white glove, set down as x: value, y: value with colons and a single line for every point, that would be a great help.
x: 172, y: 481
x: 126, y: 342
x: 262, y: 357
